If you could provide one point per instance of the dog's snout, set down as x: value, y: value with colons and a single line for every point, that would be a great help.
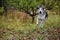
x: 40, y: 12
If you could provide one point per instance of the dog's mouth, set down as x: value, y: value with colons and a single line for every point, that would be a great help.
x: 40, y: 12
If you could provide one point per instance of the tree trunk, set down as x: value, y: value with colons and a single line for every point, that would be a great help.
x: 33, y: 19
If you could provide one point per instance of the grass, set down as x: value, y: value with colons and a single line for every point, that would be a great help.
x: 17, y: 30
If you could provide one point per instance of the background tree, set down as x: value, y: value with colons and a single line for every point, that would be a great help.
x: 25, y: 5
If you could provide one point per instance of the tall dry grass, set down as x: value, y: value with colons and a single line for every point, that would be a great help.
x: 17, y: 26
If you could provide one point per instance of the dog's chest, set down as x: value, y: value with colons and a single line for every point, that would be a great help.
x: 41, y: 16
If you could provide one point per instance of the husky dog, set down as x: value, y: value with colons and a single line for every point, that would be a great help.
x: 41, y: 15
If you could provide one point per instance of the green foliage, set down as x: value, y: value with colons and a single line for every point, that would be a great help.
x: 26, y: 4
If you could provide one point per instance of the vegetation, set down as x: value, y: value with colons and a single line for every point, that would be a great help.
x: 15, y: 21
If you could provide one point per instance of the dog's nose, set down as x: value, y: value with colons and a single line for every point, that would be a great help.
x: 40, y: 12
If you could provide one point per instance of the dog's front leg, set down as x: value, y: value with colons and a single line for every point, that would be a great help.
x: 37, y: 21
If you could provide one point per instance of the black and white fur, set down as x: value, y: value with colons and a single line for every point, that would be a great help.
x: 42, y: 15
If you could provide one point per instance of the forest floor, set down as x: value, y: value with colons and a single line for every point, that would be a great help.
x: 15, y: 29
